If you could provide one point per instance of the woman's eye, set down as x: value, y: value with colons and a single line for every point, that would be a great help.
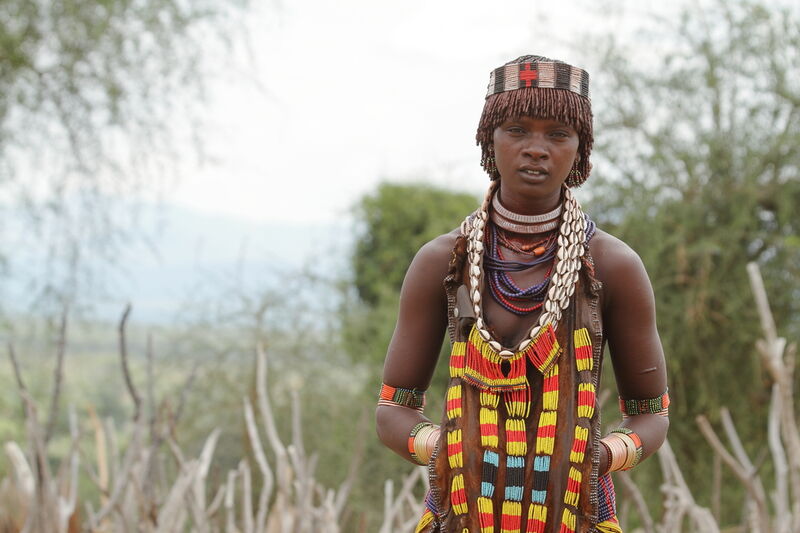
x: 515, y: 129
x: 560, y: 134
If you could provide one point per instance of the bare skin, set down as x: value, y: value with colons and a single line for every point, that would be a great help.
x: 533, y: 157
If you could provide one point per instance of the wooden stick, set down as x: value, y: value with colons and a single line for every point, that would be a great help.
x: 123, y: 352
x: 745, y: 476
x: 58, y: 377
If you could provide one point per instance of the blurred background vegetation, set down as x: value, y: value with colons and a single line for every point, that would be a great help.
x: 697, y: 162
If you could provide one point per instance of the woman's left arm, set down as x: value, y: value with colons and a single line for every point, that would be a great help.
x: 629, y: 323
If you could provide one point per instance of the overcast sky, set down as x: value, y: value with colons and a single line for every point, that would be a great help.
x: 349, y: 93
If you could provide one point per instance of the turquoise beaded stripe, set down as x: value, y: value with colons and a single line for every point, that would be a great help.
x: 491, y: 460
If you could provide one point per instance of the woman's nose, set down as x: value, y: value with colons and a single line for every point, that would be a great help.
x: 536, y: 148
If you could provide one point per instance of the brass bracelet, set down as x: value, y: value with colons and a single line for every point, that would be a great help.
x: 422, y: 441
x: 633, y: 446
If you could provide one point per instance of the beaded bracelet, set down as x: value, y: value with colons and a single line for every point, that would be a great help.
x: 653, y: 406
x: 421, y: 442
x: 633, y: 446
x: 410, y: 398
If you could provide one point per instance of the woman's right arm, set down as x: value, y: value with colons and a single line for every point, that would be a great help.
x: 417, y: 339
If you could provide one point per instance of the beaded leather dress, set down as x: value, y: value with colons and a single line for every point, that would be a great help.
x: 519, y: 441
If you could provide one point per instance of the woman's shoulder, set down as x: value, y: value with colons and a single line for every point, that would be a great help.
x: 429, y: 268
x: 617, y: 266
x: 610, y: 251
x: 437, y: 251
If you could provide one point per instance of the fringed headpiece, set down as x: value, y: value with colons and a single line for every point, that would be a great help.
x: 539, y: 87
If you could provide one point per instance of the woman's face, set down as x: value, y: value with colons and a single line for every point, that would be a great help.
x: 534, y: 157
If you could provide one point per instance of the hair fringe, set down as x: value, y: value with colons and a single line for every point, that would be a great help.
x: 554, y: 104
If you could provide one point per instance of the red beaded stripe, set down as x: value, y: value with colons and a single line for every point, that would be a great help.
x: 550, y: 390
x: 546, y: 432
x: 586, y: 400
x: 514, y: 435
x: 485, y: 368
x: 583, y: 349
x: 518, y: 402
x: 485, y: 515
x: 511, y: 518
x: 455, y: 449
x: 454, y: 402
x: 458, y: 495
x: 458, y: 359
x: 573, y: 487
x: 537, y: 518
x: 543, y: 351
x: 579, y: 445
x: 567, y: 522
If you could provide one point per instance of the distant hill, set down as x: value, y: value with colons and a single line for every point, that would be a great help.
x: 190, y: 250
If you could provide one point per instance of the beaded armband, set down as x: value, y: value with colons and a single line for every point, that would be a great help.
x: 411, y: 398
x: 654, y: 406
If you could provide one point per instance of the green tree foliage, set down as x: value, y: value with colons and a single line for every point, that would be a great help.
x: 699, y: 174
x: 392, y: 224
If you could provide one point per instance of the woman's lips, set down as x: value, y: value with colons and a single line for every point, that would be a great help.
x: 533, y: 174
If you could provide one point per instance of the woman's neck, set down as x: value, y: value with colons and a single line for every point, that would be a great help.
x: 525, y: 206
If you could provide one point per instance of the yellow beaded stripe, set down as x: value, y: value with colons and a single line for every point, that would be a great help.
x: 572, y: 493
x: 455, y: 445
x: 516, y: 447
x: 585, y: 411
x: 490, y: 440
x: 546, y: 436
x: 488, y: 419
x: 584, y: 358
x: 567, y: 521
x: 586, y: 398
x: 518, y: 407
x: 511, y: 517
x: 459, y: 504
x: 537, y: 518
x: 455, y: 454
x: 424, y: 521
x: 453, y: 404
x: 545, y: 441
x: 579, y: 445
x: 485, y: 514
x: 550, y: 394
x: 457, y: 359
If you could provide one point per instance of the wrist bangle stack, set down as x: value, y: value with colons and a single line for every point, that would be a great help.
x: 625, y: 448
x: 422, y: 441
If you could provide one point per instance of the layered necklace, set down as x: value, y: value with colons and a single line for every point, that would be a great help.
x: 517, y: 300
x: 564, y: 249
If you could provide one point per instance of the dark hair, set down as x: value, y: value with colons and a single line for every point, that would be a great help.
x: 555, y: 104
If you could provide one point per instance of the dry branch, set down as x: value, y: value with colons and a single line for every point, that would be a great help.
x: 123, y: 353
x: 58, y: 377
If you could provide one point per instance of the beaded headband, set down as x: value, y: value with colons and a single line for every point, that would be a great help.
x: 541, y: 74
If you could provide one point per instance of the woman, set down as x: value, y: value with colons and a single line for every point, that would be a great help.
x: 529, y: 291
